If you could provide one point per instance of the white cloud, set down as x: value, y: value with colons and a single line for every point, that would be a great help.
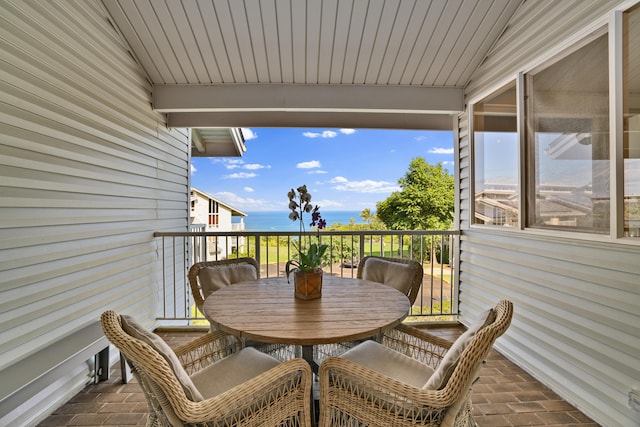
x: 440, y: 150
x: 229, y: 163
x: 317, y: 172
x: 328, y: 133
x: 308, y: 165
x: 365, y: 186
x: 248, y: 134
x: 239, y: 164
x: 240, y: 175
x: 193, y: 169
x: 326, y: 204
x: 254, y: 166
x: 248, y: 189
x: 325, y: 134
x: 243, y: 203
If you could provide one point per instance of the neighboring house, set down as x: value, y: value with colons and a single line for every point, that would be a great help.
x: 215, y: 215
x: 568, y: 206
x: 99, y: 99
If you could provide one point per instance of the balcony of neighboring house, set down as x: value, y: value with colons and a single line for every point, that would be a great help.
x: 237, y: 226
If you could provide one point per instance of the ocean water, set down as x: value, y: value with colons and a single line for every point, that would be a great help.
x: 279, y: 221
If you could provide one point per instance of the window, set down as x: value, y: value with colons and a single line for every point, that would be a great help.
x: 213, y: 213
x: 495, y: 154
x: 567, y: 115
x: 631, y: 102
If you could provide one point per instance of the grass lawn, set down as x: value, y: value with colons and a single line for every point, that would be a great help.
x: 276, y: 254
x: 197, y: 318
x: 436, y: 310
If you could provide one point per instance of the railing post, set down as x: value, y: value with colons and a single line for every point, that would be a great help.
x: 455, y: 260
x: 256, y: 242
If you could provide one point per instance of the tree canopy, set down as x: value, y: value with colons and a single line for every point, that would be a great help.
x: 425, y: 201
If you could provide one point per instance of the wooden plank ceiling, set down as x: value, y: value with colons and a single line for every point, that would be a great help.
x: 347, y: 63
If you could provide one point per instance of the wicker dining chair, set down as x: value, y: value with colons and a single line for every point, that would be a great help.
x: 411, y: 378
x: 211, y: 380
x: 208, y: 276
x: 401, y: 273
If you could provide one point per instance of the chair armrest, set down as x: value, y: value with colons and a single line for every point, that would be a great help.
x: 207, y: 349
x: 417, y: 344
x: 285, y: 388
x: 352, y: 394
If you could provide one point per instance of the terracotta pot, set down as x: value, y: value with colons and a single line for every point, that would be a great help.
x: 308, y: 284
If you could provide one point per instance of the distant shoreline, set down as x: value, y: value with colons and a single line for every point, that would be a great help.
x: 279, y: 220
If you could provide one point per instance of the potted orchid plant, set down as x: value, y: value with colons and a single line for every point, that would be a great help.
x: 309, y: 261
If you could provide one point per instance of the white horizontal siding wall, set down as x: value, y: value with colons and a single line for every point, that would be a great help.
x: 535, y: 31
x: 576, y: 325
x: 87, y: 173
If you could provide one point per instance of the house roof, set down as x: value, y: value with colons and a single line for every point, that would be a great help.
x: 234, y: 211
x: 217, y: 142
x: 329, y: 63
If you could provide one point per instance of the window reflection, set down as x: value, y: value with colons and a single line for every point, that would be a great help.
x: 495, y: 150
x: 568, y: 142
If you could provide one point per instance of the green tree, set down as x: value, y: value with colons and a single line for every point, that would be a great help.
x: 425, y: 200
x: 372, y: 220
x: 366, y: 215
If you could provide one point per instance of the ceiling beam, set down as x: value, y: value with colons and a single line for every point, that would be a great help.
x: 312, y: 119
x: 197, y: 141
x: 307, y: 98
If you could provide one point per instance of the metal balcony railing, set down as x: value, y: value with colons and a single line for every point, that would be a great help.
x: 437, y: 251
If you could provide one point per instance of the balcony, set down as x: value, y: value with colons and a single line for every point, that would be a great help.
x: 504, y: 396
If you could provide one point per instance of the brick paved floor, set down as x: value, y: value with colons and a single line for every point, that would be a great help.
x: 504, y: 396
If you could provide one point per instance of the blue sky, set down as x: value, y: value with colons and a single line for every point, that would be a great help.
x: 344, y: 169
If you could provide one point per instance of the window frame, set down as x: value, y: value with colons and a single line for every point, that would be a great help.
x: 529, y: 191
x: 472, y: 156
x: 612, y: 25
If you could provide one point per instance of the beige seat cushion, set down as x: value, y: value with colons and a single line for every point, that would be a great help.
x: 391, y: 363
x: 232, y: 371
x: 390, y: 273
x: 133, y: 328
x: 448, y: 363
x: 214, y: 278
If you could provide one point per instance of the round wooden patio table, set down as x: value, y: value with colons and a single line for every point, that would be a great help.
x: 265, y: 310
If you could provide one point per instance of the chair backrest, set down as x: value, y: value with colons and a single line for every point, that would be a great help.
x: 194, y: 271
x: 473, y: 356
x: 414, y: 271
x: 157, y: 378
